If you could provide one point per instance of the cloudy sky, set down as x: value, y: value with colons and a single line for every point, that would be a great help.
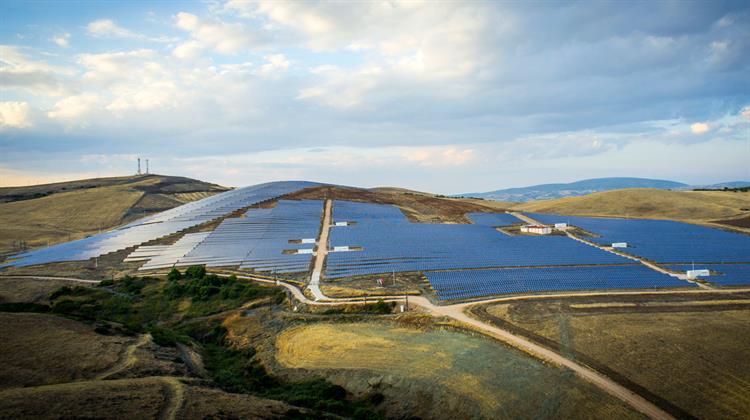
x: 439, y: 96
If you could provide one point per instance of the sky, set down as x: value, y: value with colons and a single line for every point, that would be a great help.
x: 447, y: 97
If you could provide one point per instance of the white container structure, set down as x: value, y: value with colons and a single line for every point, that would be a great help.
x: 694, y: 274
x: 308, y: 241
x: 344, y: 248
x: 561, y: 226
x: 536, y: 229
x: 619, y: 245
x: 341, y: 224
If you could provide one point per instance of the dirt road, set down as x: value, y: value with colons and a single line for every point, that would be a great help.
x: 320, y: 255
x: 634, y: 400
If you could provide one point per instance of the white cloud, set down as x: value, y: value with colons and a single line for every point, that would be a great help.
x: 14, y: 115
x: 276, y: 64
x: 74, y: 109
x: 106, y: 28
x: 62, y: 40
x: 340, y: 88
x: 700, y: 128
x: 213, y: 34
x: 19, y: 71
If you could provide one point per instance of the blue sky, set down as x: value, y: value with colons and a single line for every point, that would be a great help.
x: 446, y: 97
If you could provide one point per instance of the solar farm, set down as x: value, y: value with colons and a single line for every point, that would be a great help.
x: 259, y: 231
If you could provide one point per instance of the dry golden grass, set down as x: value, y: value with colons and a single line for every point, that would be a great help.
x: 121, y: 399
x: 69, y: 214
x: 72, y: 210
x: 193, y: 196
x: 702, y: 206
x: 464, y: 375
x: 18, y: 289
x: 204, y: 403
x: 43, y: 349
x: 697, y: 359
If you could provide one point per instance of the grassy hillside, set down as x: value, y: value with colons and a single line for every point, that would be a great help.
x: 693, y: 206
x: 37, y: 215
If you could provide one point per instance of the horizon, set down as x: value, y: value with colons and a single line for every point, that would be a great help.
x: 449, y: 98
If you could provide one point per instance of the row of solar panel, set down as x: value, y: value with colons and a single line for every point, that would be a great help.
x: 662, y: 241
x: 450, y: 285
x: 391, y: 242
x: 721, y: 274
x: 257, y: 240
x: 159, y: 225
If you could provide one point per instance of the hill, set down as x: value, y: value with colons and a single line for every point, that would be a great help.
x: 40, y: 214
x: 691, y: 206
x: 587, y: 186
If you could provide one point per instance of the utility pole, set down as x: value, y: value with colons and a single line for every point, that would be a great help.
x: 146, y: 166
x: 407, y: 301
x: 139, y: 166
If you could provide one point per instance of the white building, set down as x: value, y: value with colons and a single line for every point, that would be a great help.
x: 561, y: 226
x: 694, y: 274
x: 619, y: 245
x: 536, y: 229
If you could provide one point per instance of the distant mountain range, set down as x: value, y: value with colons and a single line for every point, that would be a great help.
x: 588, y: 186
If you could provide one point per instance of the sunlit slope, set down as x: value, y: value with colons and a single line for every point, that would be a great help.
x: 702, y: 206
x: 73, y: 210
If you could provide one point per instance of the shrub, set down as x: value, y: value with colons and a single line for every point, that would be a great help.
x: 174, y: 275
x: 195, y: 272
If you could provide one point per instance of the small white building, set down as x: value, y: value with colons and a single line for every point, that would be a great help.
x: 536, y: 229
x: 619, y: 245
x: 344, y: 248
x: 561, y: 226
x: 694, y: 274
x: 307, y: 241
x: 341, y: 224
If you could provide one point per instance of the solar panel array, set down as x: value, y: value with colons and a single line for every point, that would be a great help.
x: 494, y: 219
x: 721, y: 274
x: 449, y: 285
x: 162, y: 256
x: 258, y: 239
x: 391, y: 243
x: 158, y: 225
x: 661, y: 240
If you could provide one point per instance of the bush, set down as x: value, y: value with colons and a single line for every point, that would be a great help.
x: 174, y: 275
x: 69, y: 291
x: 195, y: 272
x: 166, y: 337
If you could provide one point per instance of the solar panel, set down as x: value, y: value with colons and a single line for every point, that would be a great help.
x: 158, y: 225
x: 451, y: 285
x: 663, y: 241
x: 391, y: 242
x: 721, y: 274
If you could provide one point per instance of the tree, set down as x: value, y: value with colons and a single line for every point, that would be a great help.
x: 174, y: 275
